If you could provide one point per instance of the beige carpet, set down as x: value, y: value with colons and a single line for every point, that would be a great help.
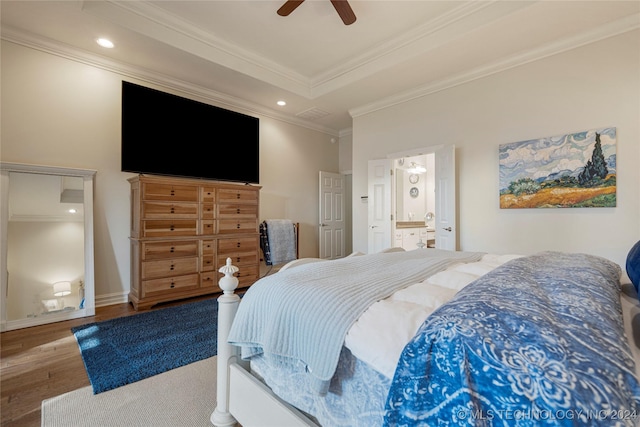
x: 184, y: 396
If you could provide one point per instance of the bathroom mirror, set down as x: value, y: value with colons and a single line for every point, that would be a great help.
x: 47, y: 244
x: 411, y: 195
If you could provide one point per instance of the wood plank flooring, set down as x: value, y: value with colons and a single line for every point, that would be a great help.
x: 41, y: 362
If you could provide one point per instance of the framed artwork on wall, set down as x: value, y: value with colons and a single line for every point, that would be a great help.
x: 565, y: 171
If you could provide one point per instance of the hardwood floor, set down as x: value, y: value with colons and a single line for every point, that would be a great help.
x: 41, y: 362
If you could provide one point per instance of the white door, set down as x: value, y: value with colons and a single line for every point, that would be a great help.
x: 332, y: 211
x: 379, y: 205
x: 445, y: 210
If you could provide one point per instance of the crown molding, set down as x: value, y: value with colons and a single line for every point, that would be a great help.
x: 153, y: 21
x: 429, y: 36
x: 612, y: 29
x: 71, y: 53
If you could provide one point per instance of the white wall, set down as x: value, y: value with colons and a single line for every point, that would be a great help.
x: 594, y: 86
x: 60, y: 112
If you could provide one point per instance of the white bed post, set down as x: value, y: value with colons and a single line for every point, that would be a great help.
x: 227, y: 307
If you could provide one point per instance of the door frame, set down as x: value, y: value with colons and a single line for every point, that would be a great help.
x: 452, y: 224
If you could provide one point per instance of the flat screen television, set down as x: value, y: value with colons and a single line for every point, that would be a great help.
x: 165, y: 134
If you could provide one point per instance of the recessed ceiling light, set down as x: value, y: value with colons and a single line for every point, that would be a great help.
x: 281, y: 103
x: 105, y: 43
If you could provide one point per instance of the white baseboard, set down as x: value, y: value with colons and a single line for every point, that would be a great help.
x: 111, y: 299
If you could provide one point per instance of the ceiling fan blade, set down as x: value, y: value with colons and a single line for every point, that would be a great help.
x: 288, y: 7
x: 345, y: 11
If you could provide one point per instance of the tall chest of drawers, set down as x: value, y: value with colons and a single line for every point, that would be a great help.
x: 182, y: 232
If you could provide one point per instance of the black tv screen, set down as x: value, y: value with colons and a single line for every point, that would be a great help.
x: 165, y: 134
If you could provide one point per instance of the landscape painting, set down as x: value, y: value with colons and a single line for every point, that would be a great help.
x: 576, y: 170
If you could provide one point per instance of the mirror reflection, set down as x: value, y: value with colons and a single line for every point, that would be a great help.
x: 414, y: 202
x: 45, y: 245
x: 415, y: 188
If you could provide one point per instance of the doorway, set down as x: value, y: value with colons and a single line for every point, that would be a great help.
x: 395, y: 205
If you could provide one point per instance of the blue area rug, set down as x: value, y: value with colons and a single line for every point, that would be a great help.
x: 128, y: 349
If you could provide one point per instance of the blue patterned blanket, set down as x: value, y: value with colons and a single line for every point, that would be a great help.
x: 538, y: 341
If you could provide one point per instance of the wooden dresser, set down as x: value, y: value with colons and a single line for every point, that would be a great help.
x: 183, y: 230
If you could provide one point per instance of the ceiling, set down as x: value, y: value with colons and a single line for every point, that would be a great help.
x: 241, y: 54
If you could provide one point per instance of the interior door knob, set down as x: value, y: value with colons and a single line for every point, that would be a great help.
x: 447, y: 229
x: 323, y: 225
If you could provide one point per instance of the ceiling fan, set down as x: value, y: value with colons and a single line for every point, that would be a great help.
x: 341, y: 6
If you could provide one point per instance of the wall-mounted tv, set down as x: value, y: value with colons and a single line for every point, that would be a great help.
x: 165, y: 134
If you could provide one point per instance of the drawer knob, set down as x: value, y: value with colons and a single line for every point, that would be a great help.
x: 172, y: 250
x: 173, y: 285
x: 238, y: 259
x: 172, y: 267
x: 172, y: 228
x: 238, y: 245
x: 237, y: 225
x: 237, y: 195
x: 238, y: 211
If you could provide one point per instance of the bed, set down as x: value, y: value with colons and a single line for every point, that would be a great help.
x: 430, y: 337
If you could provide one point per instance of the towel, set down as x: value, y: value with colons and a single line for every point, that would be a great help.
x: 282, y: 240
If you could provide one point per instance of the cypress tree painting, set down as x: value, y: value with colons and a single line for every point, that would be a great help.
x: 567, y: 171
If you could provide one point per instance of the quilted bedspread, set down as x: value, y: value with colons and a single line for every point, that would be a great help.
x: 538, y: 341
x: 301, y: 315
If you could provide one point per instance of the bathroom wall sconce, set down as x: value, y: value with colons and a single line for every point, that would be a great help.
x: 416, y: 168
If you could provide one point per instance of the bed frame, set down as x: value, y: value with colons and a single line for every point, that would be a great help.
x: 241, y: 397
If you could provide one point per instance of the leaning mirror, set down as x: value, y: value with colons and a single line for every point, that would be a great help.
x: 47, y: 245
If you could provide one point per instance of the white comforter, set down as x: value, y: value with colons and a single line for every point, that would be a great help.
x: 380, y: 334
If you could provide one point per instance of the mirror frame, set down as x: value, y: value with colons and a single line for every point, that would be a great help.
x: 87, y: 176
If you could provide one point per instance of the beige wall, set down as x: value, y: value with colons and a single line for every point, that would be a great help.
x: 60, y: 112
x: 594, y: 86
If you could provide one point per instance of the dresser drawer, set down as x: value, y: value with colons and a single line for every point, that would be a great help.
x: 247, y: 276
x: 242, y: 244
x: 229, y: 226
x: 170, y: 192
x: 208, y: 194
x: 169, y: 228
x: 161, y: 210
x: 239, y: 258
x: 209, y: 279
x: 168, y: 284
x: 169, y: 267
x: 208, y: 227
x: 208, y: 263
x: 208, y: 211
x: 208, y: 247
x: 164, y: 250
x: 239, y: 195
x: 237, y: 211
